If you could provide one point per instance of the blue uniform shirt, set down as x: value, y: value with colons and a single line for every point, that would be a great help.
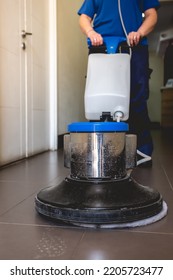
x: 106, y: 19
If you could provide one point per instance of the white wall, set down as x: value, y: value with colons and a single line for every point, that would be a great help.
x: 72, y: 63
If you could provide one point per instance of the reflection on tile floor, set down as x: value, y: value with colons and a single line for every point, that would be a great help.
x: 26, y: 235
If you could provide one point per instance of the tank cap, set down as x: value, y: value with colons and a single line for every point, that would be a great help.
x: 98, y: 127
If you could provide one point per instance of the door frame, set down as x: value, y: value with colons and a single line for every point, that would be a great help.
x: 53, y: 85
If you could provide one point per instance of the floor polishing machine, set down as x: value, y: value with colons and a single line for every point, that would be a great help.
x: 100, y: 191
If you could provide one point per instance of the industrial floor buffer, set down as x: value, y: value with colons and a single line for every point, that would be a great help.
x: 100, y: 191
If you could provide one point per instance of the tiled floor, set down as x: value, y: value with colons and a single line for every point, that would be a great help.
x: 26, y: 235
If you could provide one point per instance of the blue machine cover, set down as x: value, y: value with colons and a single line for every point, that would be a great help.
x: 98, y: 127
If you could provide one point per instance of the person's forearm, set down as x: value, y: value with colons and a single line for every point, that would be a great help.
x: 147, y: 26
x: 148, y: 23
x: 85, y: 24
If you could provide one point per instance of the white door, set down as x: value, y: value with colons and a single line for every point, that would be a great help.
x: 24, y: 78
x: 37, y: 85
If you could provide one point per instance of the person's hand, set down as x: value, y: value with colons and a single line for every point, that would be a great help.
x: 134, y: 38
x: 96, y: 38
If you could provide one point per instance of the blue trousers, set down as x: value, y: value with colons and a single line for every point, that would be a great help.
x: 139, y: 122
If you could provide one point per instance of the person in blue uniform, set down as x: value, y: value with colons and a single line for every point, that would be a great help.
x: 101, y: 18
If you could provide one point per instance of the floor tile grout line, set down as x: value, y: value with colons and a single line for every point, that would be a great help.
x: 82, y: 229
x: 169, y: 182
x: 35, y: 225
x: 29, y: 196
x: 58, y: 177
x: 75, y: 250
x: 151, y: 232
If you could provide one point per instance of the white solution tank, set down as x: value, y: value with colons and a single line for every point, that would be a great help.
x: 107, y: 86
